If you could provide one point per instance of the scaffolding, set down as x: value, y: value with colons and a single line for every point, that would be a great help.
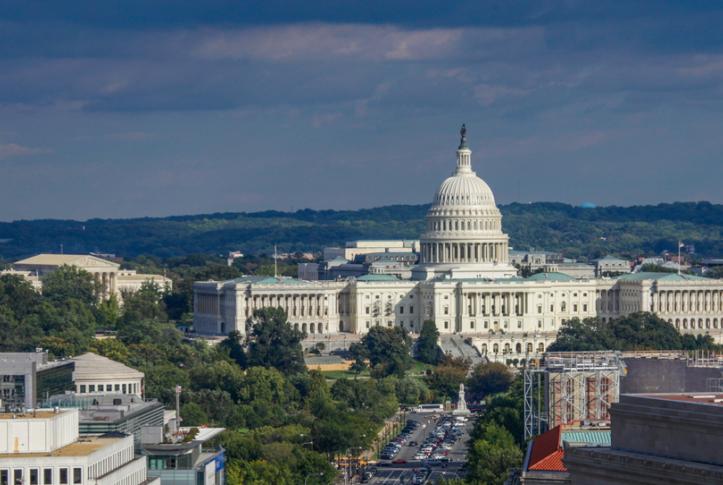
x: 567, y: 387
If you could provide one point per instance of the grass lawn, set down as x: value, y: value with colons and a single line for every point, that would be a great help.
x: 417, y: 371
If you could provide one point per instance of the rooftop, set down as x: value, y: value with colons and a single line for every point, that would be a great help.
x: 546, y: 452
x: 90, y: 365
x: 47, y: 259
x: 44, y: 414
x: 377, y: 277
x: 646, y: 275
x: 551, y: 276
x: 83, y: 447
x: 703, y: 398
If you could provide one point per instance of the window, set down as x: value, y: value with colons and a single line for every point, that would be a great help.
x: 519, y: 323
x: 82, y: 388
x: 33, y: 476
x: 91, y: 388
x: 471, y: 324
x: 539, y: 308
x: 446, y: 324
x: 77, y: 475
x: 4, y: 478
x: 401, y: 309
x: 125, y: 389
x: 63, y: 476
x: 552, y: 308
x: 117, y: 387
x: 584, y: 308
x: 47, y: 476
x: 411, y: 309
x: 18, y: 477
x: 367, y: 310
x: 574, y: 308
x: 446, y: 310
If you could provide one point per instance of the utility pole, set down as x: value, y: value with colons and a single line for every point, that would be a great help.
x: 178, y: 411
x: 276, y: 266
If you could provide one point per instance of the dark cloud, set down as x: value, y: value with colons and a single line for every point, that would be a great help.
x: 194, y: 106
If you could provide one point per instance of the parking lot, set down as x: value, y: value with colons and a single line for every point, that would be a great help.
x: 435, y: 449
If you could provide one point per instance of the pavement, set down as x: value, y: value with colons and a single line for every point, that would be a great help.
x: 388, y: 473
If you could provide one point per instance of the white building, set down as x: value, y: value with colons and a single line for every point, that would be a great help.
x: 95, y: 374
x: 112, y: 279
x: 44, y: 447
x: 466, y: 285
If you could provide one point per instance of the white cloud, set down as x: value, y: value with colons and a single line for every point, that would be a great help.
x: 12, y: 150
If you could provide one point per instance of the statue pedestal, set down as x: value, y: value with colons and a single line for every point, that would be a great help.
x: 461, y: 404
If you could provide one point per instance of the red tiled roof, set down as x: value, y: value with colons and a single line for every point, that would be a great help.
x: 546, y: 453
x: 551, y: 463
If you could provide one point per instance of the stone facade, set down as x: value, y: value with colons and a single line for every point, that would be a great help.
x: 465, y: 284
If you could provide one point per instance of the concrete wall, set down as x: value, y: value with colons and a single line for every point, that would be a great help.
x: 664, y: 375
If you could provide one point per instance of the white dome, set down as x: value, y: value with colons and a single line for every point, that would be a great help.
x: 464, y: 189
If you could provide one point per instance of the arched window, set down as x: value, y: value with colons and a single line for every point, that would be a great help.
x: 518, y: 348
x: 311, y: 327
x: 529, y: 347
x: 677, y: 323
x: 541, y: 347
x: 496, y: 348
x: 484, y: 349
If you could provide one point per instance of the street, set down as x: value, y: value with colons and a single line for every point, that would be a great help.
x: 407, y: 466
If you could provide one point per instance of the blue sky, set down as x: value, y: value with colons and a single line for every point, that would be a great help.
x: 119, y: 109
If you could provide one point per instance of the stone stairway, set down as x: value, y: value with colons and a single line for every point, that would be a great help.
x: 455, y: 346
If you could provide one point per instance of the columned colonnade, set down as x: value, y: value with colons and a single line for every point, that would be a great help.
x: 462, y: 252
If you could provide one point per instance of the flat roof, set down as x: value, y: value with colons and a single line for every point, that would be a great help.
x: 44, y: 414
x: 709, y: 398
x: 83, y: 447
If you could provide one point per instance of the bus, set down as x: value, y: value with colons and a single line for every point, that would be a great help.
x: 430, y: 408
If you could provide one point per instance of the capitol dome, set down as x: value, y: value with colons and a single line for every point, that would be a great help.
x: 463, y: 232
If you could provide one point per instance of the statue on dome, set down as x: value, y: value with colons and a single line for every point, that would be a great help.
x: 463, y: 136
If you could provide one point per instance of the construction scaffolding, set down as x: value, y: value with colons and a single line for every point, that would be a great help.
x: 568, y: 387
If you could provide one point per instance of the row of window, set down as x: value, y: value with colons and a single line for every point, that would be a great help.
x: 507, y: 349
x: 48, y: 476
x: 130, y: 388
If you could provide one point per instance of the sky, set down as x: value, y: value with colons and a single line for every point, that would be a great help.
x: 150, y: 108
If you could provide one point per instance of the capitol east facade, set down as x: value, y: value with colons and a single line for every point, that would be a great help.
x: 466, y: 285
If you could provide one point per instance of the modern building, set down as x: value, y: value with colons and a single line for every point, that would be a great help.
x: 466, y: 284
x: 656, y: 438
x: 28, y: 378
x: 190, y: 460
x: 45, y: 447
x: 112, y: 279
x: 95, y: 374
x: 120, y: 413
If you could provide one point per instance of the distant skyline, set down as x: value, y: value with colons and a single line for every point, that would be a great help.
x: 143, y: 108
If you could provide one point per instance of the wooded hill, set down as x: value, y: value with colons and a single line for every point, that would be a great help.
x: 576, y: 232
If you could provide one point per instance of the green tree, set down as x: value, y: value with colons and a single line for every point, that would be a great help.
x: 638, y: 331
x: 427, y: 348
x: 446, y: 377
x: 275, y: 343
x: 144, y: 304
x: 489, y: 378
x: 388, y: 351
x: 70, y: 282
x: 232, y: 345
x: 491, y: 457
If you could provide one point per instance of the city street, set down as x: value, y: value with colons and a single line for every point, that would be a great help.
x: 406, y: 466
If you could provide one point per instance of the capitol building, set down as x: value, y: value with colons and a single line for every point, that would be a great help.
x: 464, y: 282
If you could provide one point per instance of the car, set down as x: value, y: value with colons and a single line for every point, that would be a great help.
x: 399, y: 461
x: 413, y: 443
x: 367, y: 475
